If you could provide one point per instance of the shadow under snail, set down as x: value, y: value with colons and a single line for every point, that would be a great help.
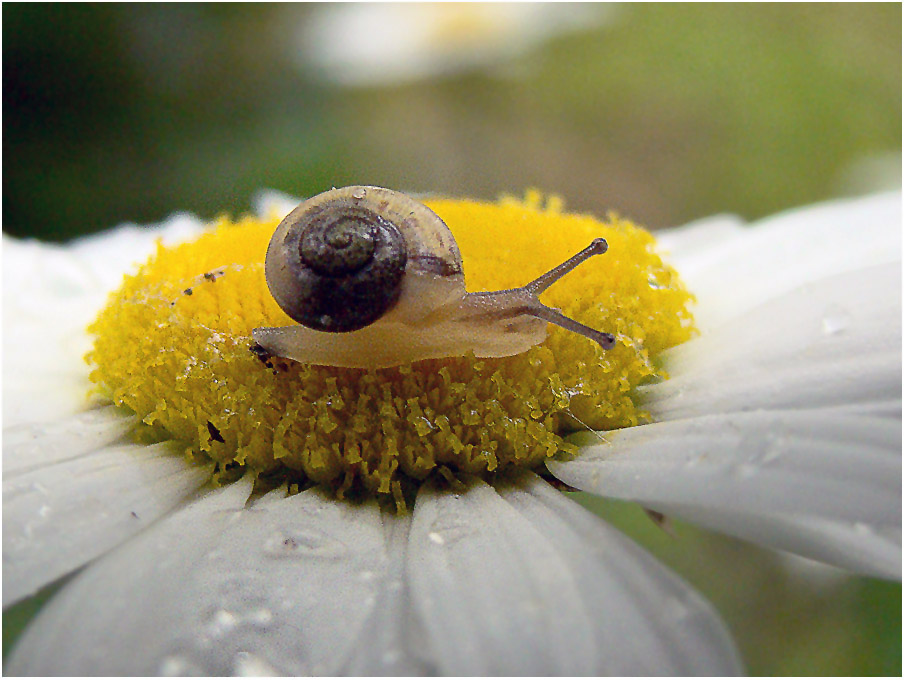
x: 374, y: 279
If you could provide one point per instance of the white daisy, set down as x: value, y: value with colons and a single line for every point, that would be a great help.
x: 780, y: 424
x: 389, y: 43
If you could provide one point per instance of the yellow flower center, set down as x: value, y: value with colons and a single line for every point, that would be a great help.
x: 174, y: 345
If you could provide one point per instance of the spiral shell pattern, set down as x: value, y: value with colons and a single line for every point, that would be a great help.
x: 336, y: 266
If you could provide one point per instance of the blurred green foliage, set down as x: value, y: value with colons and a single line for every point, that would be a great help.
x: 666, y: 113
x: 118, y: 113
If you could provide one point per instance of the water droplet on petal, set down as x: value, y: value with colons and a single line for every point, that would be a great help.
x: 772, y: 454
x: 175, y: 665
x: 260, y: 618
x: 774, y: 450
x: 221, y: 622
x: 446, y: 531
x: 246, y: 664
x: 835, y: 320
x: 304, y: 543
x: 863, y: 529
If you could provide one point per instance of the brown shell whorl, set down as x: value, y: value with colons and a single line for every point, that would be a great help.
x: 337, y: 266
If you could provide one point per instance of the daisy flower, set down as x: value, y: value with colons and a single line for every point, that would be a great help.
x: 367, y: 45
x: 230, y: 513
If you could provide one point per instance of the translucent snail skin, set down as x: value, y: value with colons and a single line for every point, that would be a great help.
x: 374, y: 279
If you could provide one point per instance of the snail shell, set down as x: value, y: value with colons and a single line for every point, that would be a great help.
x: 339, y: 261
x: 374, y: 279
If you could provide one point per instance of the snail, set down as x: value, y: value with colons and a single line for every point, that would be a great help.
x: 374, y: 279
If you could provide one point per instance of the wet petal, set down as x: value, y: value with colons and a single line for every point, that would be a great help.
x: 789, y: 250
x: 110, y: 254
x: 44, y: 317
x: 45, y: 376
x: 834, y: 343
x: 873, y: 550
x: 26, y: 447
x: 782, y: 425
x: 392, y: 640
x: 690, y: 246
x: 281, y: 585
x: 61, y: 515
x: 526, y: 582
x: 752, y: 467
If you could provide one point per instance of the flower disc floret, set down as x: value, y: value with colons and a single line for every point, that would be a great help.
x: 174, y: 345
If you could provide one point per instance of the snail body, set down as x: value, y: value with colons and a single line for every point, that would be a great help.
x: 375, y: 279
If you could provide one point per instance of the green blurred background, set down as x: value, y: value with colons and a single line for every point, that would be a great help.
x: 665, y: 113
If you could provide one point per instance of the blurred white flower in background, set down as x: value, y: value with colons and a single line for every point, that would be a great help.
x: 381, y: 44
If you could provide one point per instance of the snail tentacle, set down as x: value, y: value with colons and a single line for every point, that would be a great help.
x: 525, y: 300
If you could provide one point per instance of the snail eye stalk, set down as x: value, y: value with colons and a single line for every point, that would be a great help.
x: 526, y: 300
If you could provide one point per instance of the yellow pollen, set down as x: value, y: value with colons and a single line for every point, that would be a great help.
x: 173, y: 345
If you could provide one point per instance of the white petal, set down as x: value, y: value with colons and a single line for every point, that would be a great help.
x: 49, y: 393
x: 60, y: 516
x: 270, y: 204
x: 27, y: 447
x: 845, y: 467
x: 87, y: 265
x: 789, y: 250
x: 45, y: 376
x: 527, y: 582
x: 50, y: 295
x: 392, y: 641
x: 110, y: 254
x: 690, y: 246
x: 808, y: 454
x: 224, y: 586
x: 834, y: 343
x: 753, y: 467
x: 856, y: 546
